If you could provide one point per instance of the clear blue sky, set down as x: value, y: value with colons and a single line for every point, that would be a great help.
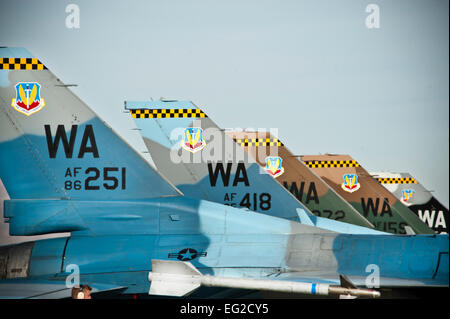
x: 312, y: 69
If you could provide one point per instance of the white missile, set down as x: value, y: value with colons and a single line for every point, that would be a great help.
x: 177, y: 278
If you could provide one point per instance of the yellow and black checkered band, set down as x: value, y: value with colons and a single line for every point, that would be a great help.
x: 258, y: 142
x: 21, y: 64
x: 166, y: 113
x: 404, y: 180
x: 319, y: 164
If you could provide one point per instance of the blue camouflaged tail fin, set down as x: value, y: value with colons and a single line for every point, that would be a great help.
x: 52, y: 145
x: 203, y: 162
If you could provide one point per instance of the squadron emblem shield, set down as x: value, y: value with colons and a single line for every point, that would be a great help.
x: 193, y: 139
x: 407, y: 195
x: 273, y: 166
x: 350, y: 183
x: 28, y: 99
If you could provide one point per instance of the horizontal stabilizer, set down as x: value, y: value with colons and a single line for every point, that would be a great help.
x: 409, y: 230
x: 308, y: 218
x: 47, y: 289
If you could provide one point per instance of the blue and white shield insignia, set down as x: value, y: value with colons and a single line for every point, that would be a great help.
x: 28, y: 98
x: 350, y: 183
x: 407, y: 196
x: 193, y: 139
x: 273, y: 166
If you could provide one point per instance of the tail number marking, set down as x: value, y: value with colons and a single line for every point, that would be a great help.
x: 253, y: 201
x: 108, y: 178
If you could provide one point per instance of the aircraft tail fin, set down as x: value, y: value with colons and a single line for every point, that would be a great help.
x: 53, y: 146
x: 363, y: 192
x: 300, y: 180
x: 203, y: 162
x: 417, y: 198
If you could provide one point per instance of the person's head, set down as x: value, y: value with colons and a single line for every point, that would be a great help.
x: 83, y: 292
